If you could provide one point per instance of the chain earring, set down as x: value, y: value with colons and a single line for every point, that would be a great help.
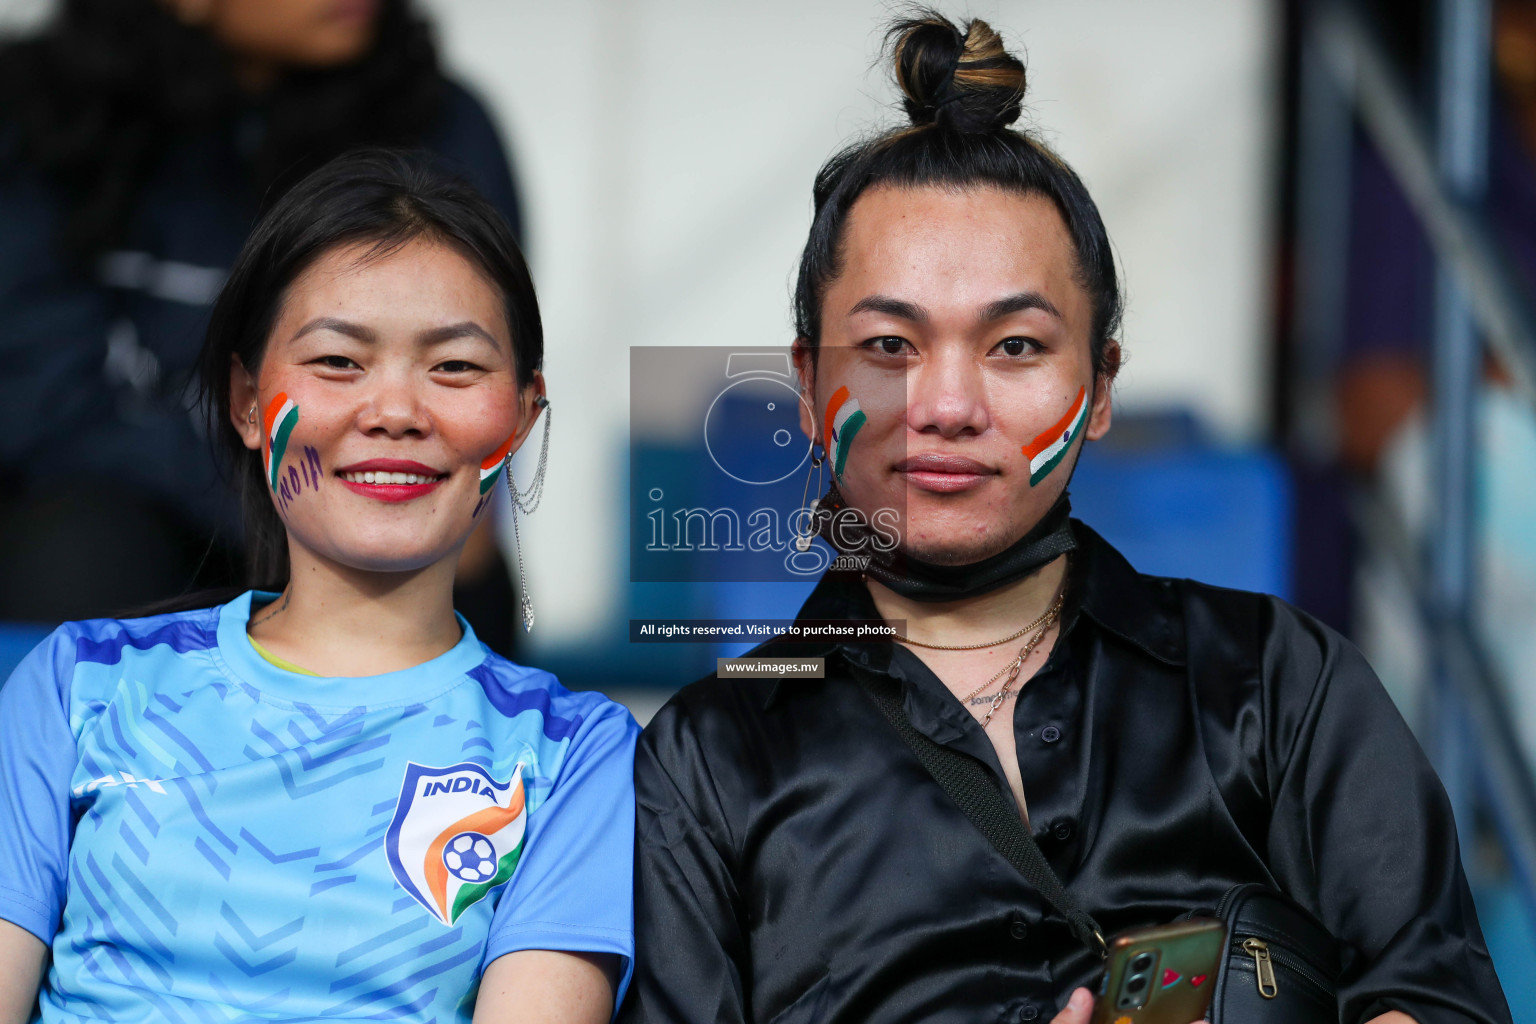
x: 526, y: 503
x: 808, y: 513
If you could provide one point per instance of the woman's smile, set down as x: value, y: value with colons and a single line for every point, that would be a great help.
x: 391, y: 479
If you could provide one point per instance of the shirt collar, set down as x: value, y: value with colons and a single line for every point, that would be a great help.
x: 1141, y: 610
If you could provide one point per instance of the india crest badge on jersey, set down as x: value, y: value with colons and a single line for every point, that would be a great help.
x: 457, y: 833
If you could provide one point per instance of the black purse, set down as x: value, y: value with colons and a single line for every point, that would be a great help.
x: 1282, y: 965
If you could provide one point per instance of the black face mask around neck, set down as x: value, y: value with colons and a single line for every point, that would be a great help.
x: 926, y: 581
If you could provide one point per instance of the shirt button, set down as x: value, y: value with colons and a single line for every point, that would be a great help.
x: 1050, y: 734
x: 1030, y: 1012
x: 1018, y: 929
x: 1062, y: 831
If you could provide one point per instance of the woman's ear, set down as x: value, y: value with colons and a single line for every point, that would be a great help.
x: 805, y: 369
x: 1103, y: 386
x: 529, y: 408
x: 244, y: 405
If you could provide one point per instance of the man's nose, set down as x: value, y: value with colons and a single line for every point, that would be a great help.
x: 947, y: 395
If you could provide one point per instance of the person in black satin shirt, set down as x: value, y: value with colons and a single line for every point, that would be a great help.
x: 1163, y: 740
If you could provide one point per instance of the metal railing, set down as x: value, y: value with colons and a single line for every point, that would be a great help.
x: 1347, y: 78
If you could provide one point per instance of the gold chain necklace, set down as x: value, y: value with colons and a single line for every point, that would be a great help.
x: 1012, y: 669
x: 1043, y: 623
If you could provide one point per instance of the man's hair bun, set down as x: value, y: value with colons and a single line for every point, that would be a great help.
x: 959, y: 80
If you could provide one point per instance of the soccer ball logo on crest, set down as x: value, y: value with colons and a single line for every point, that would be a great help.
x: 470, y: 857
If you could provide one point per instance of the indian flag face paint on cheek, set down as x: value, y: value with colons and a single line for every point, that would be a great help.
x: 1046, y: 451
x: 844, y: 420
x: 280, y: 418
x: 490, y: 469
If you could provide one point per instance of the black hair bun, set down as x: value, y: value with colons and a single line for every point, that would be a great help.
x: 960, y: 80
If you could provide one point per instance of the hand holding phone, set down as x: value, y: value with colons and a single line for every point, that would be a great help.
x: 1161, y: 975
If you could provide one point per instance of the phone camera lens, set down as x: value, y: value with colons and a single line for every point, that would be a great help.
x: 1136, y: 983
x: 1141, y: 963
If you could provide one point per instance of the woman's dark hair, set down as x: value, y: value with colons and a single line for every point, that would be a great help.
x: 95, y: 100
x: 961, y: 90
x: 381, y: 198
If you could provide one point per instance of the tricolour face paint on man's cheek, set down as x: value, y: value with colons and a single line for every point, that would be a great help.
x: 490, y: 471
x: 1047, y: 450
x: 281, y: 416
x: 844, y: 420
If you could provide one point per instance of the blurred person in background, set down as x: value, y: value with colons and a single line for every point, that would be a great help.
x: 325, y: 799
x: 139, y: 140
x: 1163, y: 741
x: 1383, y: 386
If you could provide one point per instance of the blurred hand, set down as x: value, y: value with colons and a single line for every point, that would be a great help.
x: 1077, y: 1010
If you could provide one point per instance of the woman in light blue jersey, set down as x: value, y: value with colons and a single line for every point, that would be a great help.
x: 324, y: 798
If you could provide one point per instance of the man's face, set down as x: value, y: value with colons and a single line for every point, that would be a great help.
x: 960, y: 330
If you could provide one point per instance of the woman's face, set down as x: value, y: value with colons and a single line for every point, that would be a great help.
x: 303, y: 33
x: 386, y: 385
x: 960, y: 329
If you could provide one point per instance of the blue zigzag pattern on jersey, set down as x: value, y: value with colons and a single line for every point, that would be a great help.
x: 330, y: 883
x: 133, y: 842
x: 176, y: 736
x: 115, y: 720
x: 346, y: 956
x: 404, y: 956
x: 254, y: 941
x: 256, y: 963
x: 107, y: 910
x: 155, y: 907
x: 407, y: 958
x: 201, y: 815
x: 246, y: 1002
x: 355, y: 856
x: 181, y: 633
x: 277, y: 858
x: 349, y: 724
x: 512, y: 703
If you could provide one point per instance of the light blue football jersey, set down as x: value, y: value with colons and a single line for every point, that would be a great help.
x: 204, y: 837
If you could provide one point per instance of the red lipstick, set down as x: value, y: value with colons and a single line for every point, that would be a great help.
x: 386, y: 489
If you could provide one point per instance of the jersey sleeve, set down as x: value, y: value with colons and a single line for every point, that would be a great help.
x: 574, y: 890
x: 37, y: 761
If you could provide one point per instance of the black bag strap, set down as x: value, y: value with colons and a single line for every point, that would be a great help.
x: 993, y: 812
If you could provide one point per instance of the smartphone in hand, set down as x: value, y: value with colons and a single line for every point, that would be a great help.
x: 1161, y: 975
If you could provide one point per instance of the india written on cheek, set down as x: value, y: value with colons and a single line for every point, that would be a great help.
x: 1046, y: 451
x: 490, y: 470
x: 844, y: 419
x: 292, y: 481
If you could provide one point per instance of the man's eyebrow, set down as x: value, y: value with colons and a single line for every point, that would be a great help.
x: 901, y: 309
x: 1018, y: 304
x: 462, y: 329
x: 340, y: 326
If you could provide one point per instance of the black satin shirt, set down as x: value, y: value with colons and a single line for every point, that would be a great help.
x: 795, y: 862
